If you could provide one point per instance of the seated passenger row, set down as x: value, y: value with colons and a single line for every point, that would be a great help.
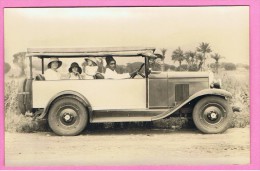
x: 90, y: 70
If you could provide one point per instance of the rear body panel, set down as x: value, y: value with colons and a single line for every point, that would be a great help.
x: 101, y: 94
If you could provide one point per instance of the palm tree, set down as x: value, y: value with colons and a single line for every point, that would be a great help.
x: 178, y: 55
x: 199, y: 58
x: 204, y: 48
x: 216, y: 56
x: 163, y: 57
x: 190, y: 57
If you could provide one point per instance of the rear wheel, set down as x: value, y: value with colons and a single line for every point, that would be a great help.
x: 25, y: 96
x: 68, y: 116
x: 212, y: 115
x: 20, y: 98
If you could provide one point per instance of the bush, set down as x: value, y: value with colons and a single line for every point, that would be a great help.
x: 246, y: 67
x: 183, y: 67
x: 172, y: 68
x: 230, y: 66
x: 171, y: 123
x: 193, y: 67
x: 7, y: 67
x: 15, y: 121
x: 121, y: 69
x: 168, y: 67
x: 237, y: 83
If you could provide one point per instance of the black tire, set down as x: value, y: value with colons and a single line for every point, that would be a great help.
x: 28, y: 97
x: 25, y: 100
x: 212, y: 115
x: 67, y: 116
x: 20, y: 98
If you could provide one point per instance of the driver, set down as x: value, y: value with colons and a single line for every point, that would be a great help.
x: 111, y: 72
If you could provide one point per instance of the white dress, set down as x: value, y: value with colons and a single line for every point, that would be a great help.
x: 52, y: 75
x: 114, y: 75
x: 90, y: 71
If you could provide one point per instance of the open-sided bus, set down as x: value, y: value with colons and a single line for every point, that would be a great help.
x: 69, y: 105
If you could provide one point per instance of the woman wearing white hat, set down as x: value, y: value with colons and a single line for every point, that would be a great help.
x: 90, y: 68
x: 52, y: 73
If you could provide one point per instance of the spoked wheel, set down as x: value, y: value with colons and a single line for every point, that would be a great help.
x: 212, y: 115
x: 68, y: 117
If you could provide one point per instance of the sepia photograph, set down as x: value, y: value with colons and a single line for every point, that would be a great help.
x: 127, y: 86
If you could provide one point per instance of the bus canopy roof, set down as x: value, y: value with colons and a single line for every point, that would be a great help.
x: 91, y: 52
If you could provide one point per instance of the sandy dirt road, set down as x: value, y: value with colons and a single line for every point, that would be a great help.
x: 128, y: 147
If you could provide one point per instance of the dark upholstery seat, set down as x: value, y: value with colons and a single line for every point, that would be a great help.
x: 39, y: 77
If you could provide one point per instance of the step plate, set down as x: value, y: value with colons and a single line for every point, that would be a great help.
x: 138, y: 115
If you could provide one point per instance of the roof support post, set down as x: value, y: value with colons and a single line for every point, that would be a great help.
x: 42, y: 65
x: 31, y: 75
x: 146, y: 68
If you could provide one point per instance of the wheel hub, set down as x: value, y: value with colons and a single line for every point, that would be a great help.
x: 68, y: 116
x: 213, y: 114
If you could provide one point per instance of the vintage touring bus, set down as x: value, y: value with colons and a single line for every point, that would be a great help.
x: 69, y: 105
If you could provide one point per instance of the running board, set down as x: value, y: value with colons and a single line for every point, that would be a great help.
x: 133, y: 115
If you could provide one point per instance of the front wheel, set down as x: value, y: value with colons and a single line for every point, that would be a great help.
x: 68, y: 117
x: 212, y: 115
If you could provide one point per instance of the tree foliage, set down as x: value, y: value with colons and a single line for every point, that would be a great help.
x: 230, y: 66
x: 183, y: 67
x: 190, y: 57
x: 163, y: 50
x: 178, y: 55
x: 37, y: 65
x: 204, y: 48
x: 199, y: 60
x: 7, y: 67
x: 163, y: 57
x: 216, y: 57
x: 19, y: 60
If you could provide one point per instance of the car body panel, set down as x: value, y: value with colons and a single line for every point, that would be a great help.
x: 102, y: 94
x: 187, y: 74
x: 67, y: 93
x: 168, y: 89
x: 158, y: 96
x: 205, y: 92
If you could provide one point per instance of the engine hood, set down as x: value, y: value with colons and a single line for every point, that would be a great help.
x: 159, y: 74
x: 188, y: 74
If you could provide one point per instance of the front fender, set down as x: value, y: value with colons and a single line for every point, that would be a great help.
x: 206, y: 92
x: 67, y: 93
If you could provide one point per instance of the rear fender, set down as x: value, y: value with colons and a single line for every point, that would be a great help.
x: 71, y: 94
x: 200, y: 94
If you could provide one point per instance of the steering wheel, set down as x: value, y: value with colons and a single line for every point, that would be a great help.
x: 138, y: 72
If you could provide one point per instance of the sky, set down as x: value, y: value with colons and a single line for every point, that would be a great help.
x: 226, y: 29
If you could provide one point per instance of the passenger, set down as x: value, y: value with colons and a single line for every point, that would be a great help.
x: 155, y: 64
x: 111, y: 72
x: 75, y: 71
x: 90, y: 68
x: 151, y: 62
x: 52, y: 73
